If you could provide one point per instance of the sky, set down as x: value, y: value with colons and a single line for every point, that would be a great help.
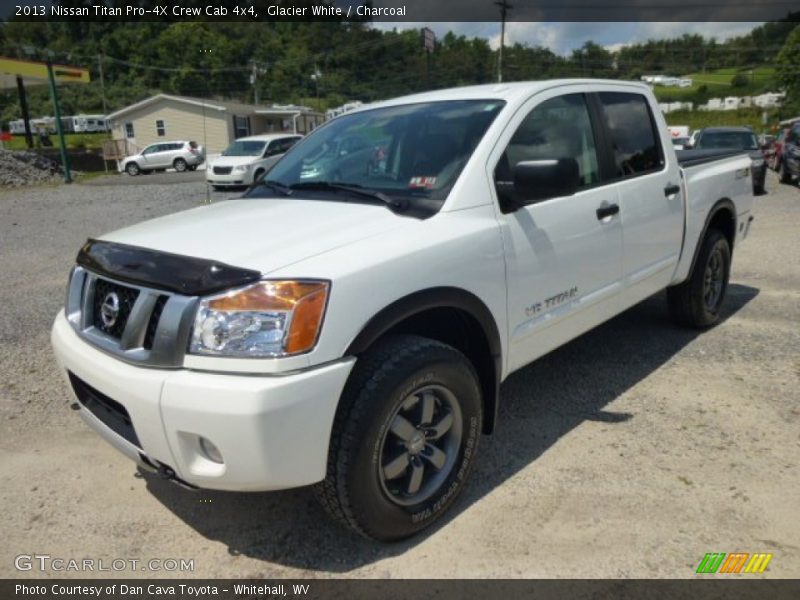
x: 562, y: 38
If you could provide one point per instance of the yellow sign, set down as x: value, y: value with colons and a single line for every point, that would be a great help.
x: 37, y: 71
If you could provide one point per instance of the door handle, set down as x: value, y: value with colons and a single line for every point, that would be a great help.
x: 671, y: 190
x: 607, y: 211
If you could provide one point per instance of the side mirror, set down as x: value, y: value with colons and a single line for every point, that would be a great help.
x: 537, y: 180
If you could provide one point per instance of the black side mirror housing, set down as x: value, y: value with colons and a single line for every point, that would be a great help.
x: 537, y: 180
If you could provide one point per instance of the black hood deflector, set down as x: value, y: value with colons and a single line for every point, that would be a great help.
x: 162, y: 270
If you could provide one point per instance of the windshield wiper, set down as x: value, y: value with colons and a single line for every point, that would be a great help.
x: 353, y: 188
x: 279, y: 187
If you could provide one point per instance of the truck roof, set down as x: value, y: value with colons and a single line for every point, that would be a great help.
x: 499, y: 91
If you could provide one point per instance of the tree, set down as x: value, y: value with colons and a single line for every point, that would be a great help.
x: 740, y: 80
x: 788, y: 68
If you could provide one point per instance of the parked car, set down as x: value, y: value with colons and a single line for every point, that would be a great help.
x: 680, y: 143
x: 736, y: 138
x: 179, y: 155
x: 789, y: 165
x: 247, y: 159
x: 354, y: 334
x: 340, y: 160
x: 693, y: 138
x: 774, y: 152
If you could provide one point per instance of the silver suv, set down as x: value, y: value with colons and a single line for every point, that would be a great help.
x: 178, y: 155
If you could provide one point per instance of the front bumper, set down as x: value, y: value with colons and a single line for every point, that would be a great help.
x: 232, y: 179
x: 272, y: 431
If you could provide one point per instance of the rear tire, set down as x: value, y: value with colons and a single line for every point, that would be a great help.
x: 404, y: 438
x: 783, y: 173
x: 179, y: 165
x: 697, y: 302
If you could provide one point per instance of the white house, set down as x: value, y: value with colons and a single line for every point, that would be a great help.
x: 211, y: 123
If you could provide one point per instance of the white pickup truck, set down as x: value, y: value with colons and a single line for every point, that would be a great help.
x: 348, y: 322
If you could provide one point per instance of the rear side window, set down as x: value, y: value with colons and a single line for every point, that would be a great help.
x: 634, y: 136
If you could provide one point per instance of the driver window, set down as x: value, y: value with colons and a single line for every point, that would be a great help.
x: 150, y: 149
x: 558, y: 128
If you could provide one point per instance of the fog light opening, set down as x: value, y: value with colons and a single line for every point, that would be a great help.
x: 210, y: 451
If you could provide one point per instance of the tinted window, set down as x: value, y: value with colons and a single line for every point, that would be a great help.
x: 410, y: 150
x: 633, y: 133
x: 244, y: 148
x: 556, y: 129
x: 739, y: 140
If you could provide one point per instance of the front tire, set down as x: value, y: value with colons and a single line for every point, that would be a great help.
x: 132, y: 169
x: 404, y: 439
x: 697, y: 302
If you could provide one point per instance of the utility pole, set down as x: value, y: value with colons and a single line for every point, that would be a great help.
x: 254, y: 81
x: 316, y: 76
x: 504, y: 8
x: 59, y: 127
x: 103, y: 95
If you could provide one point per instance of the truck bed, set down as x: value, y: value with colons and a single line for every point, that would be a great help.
x: 692, y: 158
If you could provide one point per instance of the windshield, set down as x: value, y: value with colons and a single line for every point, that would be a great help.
x: 407, y: 151
x: 243, y: 148
x: 740, y: 140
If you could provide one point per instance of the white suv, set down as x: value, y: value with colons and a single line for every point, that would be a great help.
x: 247, y: 159
x: 179, y: 155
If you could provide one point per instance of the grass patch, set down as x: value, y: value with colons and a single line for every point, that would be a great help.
x: 718, y: 85
x: 697, y: 119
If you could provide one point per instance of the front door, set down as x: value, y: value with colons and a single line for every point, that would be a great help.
x: 563, y: 253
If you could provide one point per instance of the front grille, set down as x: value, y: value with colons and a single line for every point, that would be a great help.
x: 222, y: 170
x: 110, y: 412
x: 115, y: 320
x: 152, y: 324
x: 142, y: 312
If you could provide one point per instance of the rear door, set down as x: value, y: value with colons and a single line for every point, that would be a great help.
x: 563, y: 253
x: 647, y: 178
x: 171, y: 152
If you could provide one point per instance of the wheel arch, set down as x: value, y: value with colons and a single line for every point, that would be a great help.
x: 453, y: 316
x: 722, y: 216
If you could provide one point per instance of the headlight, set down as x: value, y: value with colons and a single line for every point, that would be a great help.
x: 758, y: 162
x: 241, y: 168
x: 267, y: 319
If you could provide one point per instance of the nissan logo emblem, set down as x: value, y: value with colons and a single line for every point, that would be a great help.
x: 109, y: 309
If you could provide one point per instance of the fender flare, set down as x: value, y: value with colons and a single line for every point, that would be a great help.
x: 722, y: 204
x: 439, y: 297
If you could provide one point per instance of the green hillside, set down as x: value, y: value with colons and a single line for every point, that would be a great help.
x: 719, y: 83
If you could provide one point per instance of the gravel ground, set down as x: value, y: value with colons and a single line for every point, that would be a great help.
x: 23, y: 168
x: 630, y: 452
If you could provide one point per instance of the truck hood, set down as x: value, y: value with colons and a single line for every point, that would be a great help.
x: 263, y: 234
